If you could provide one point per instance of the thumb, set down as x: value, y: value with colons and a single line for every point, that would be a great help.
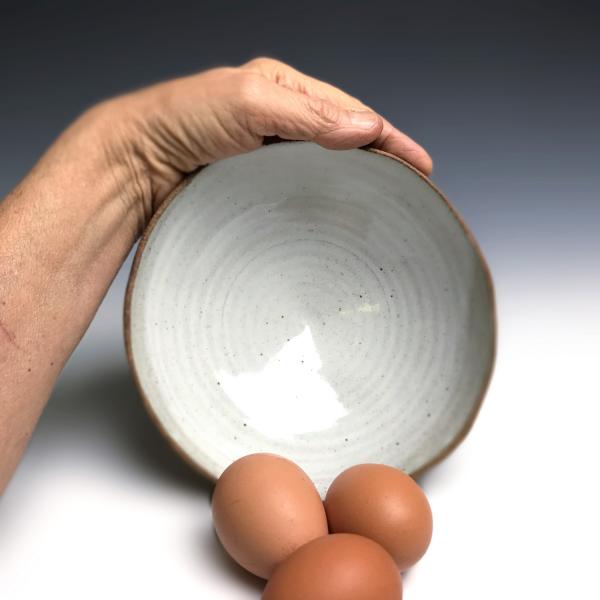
x: 292, y: 115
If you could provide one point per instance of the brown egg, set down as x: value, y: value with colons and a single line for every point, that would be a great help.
x: 264, y: 507
x: 336, y: 567
x: 384, y: 504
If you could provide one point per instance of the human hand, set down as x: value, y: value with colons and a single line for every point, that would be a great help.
x: 66, y: 229
x: 170, y: 129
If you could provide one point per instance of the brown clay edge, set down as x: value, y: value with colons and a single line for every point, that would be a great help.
x: 127, y: 327
x: 462, y: 434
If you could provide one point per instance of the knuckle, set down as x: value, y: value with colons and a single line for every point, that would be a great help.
x: 262, y: 62
x: 327, y: 113
x: 250, y: 88
x: 250, y: 100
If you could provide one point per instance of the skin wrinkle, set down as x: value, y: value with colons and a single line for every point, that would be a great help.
x: 327, y: 113
x: 141, y: 190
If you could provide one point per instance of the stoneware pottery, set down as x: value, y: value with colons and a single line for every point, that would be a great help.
x: 328, y: 306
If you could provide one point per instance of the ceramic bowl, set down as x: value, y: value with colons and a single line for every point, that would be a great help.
x: 328, y: 306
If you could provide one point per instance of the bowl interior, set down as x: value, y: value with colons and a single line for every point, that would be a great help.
x: 327, y: 306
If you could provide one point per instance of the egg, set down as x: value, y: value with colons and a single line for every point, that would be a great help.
x: 384, y: 504
x: 264, y: 507
x: 341, y: 566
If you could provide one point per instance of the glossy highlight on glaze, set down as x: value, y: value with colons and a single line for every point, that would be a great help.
x: 288, y: 396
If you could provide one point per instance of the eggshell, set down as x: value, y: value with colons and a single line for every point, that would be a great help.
x: 384, y: 504
x: 264, y: 507
x: 336, y: 567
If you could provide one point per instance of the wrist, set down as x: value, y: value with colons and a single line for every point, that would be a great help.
x: 130, y: 131
x: 106, y: 136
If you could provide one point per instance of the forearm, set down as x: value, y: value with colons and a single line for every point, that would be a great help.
x: 64, y: 232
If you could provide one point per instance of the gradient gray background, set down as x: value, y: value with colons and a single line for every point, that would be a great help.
x: 505, y: 97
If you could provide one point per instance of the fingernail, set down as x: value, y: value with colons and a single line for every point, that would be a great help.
x: 363, y: 119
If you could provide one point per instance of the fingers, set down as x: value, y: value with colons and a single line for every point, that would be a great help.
x: 273, y: 110
x: 287, y: 76
x: 390, y: 139
x: 395, y: 142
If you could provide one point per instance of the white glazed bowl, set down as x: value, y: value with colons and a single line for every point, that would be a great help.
x: 328, y: 306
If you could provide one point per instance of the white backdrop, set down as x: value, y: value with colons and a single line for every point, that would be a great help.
x: 101, y: 507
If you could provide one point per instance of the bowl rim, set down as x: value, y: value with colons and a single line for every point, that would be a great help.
x: 477, y: 404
